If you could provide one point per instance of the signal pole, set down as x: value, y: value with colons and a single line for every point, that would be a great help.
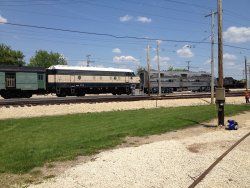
x: 212, y: 14
x: 159, y: 70
x: 148, y: 71
x: 220, y: 91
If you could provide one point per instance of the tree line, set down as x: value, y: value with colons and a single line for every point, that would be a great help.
x: 42, y: 58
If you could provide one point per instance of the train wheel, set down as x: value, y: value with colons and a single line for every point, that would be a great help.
x: 61, y: 94
x: 26, y: 94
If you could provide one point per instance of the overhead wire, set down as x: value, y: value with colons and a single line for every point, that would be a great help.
x: 117, y: 36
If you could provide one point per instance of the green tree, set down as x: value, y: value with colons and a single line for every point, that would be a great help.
x: 10, y: 57
x: 46, y: 59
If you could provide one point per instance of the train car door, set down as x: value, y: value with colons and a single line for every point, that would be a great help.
x: 10, y: 80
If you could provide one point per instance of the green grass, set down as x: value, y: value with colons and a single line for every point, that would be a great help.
x: 31, y: 142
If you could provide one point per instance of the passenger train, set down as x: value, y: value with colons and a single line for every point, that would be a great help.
x: 175, y: 81
x: 63, y: 80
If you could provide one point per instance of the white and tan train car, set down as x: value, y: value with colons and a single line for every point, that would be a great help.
x: 75, y: 80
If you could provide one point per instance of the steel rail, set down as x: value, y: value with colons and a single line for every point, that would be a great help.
x: 203, y: 175
x: 94, y: 99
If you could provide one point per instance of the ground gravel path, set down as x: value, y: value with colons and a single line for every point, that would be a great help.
x: 171, y: 160
x: 169, y: 163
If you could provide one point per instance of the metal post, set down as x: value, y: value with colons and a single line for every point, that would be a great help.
x: 148, y: 71
x: 159, y: 70
x: 212, y: 14
x: 247, y: 85
x: 212, y: 60
x: 220, y: 91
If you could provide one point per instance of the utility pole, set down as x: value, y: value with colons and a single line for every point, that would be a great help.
x: 159, y: 70
x: 212, y: 14
x: 88, y: 60
x: 188, y: 66
x: 148, y: 70
x: 220, y: 91
x: 246, y: 74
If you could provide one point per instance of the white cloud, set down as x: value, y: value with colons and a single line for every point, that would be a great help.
x: 207, y: 62
x: 143, y: 19
x: 126, y: 18
x: 2, y: 20
x: 229, y: 57
x: 161, y: 59
x: 237, y: 34
x: 164, y: 61
x: 230, y: 62
x: 185, y: 51
x: 116, y: 50
x: 82, y: 63
x: 127, y: 59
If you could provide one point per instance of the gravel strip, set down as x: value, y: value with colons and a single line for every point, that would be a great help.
x: 34, y: 111
x: 169, y: 163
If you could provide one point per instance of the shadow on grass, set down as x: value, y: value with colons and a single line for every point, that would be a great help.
x: 198, y: 123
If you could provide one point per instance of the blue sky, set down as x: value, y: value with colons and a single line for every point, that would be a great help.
x: 173, y: 22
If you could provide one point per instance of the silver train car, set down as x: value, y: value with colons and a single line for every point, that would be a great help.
x: 175, y: 81
x: 77, y: 81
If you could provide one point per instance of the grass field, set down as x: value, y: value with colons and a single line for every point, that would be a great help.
x: 31, y: 142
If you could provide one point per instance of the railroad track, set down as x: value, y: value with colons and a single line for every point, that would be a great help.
x: 99, y: 99
x: 206, y: 172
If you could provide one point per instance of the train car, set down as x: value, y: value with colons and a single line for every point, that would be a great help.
x: 176, y: 81
x: 21, y: 81
x: 77, y: 81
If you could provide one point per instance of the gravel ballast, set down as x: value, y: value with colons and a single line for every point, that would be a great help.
x: 34, y: 111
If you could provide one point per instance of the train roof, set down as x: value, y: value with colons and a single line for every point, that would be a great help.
x: 66, y: 67
x: 181, y: 72
x: 16, y: 68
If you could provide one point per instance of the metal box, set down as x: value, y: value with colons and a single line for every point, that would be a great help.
x: 220, y: 94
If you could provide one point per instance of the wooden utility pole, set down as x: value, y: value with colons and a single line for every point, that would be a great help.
x: 148, y: 71
x: 212, y: 14
x: 220, y: 91
x: 159, y: 70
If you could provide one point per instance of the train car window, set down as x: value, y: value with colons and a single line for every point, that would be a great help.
x: 40, y: 77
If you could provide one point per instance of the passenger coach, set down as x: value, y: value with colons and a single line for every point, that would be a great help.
x: 69, y: 81
x: 22, y: 81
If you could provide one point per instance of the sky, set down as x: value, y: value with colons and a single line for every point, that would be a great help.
x: 116, y: 33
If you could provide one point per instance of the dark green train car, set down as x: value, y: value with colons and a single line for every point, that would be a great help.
x: 18, y: 82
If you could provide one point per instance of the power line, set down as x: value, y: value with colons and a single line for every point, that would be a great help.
x: 102, y: 34
x: 117, y: 36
